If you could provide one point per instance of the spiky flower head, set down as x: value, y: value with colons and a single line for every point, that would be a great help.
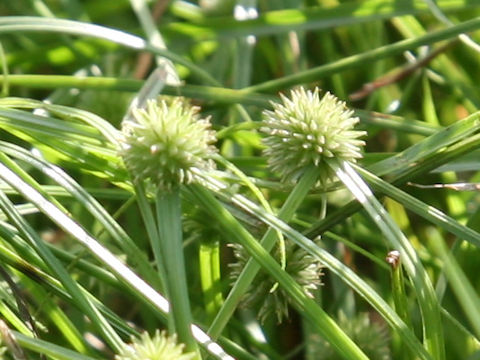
x: 370, y: 336
x: 305, y: 129
x: 158, y: 347
x: 165, y: 142
x: 263, y: 294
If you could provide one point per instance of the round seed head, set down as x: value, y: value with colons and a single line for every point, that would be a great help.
x: 372, y: 336
x: 301, y: 266
x: 306, y: 130
x: 165, y: 142
x: 160, y: 346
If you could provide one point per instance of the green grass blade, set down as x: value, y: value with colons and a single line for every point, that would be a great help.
x: 430, y: 213
x: 12, y: 24
x: 110, y: 225
x: 430, y: 308
x: 72, y: 287
x: 465, y: 293
x: 309, y: 18
x: 168, y: 208
x: 48, y: 348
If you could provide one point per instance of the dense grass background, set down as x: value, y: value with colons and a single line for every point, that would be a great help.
x: 410, y: 71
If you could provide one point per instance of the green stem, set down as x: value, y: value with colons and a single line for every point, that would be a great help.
x: 268, y: 241
x: 168, y: 206
x: 219, y: 95
x: 152, y: 231
x: 209, y: 257
x: 398, y: 289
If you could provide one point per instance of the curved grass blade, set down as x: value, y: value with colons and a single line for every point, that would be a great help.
x: 426, y: 296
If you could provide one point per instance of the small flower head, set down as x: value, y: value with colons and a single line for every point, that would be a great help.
x: 160, y: 347
x: 370, y: 336
x: 263, y: 294
x: 166, y: 142
x: 305, y: 130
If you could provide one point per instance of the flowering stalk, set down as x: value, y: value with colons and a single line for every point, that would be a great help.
x: 162, y: 144
x: 308, y: 130
x: 398, y: 286
x: 168, y: 206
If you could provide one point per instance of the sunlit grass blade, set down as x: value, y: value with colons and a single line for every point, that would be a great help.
x: 430, y: 213
x: 430, y: 308
x: 111, y: 226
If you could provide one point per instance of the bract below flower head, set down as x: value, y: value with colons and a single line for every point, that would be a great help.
x: 306, y: 130
x: 158, y: 347
x: 165, y: 142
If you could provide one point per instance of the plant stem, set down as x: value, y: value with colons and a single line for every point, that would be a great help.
x: 168, y: 207
x: 209, y: 258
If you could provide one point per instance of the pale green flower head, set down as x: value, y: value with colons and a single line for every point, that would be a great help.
x: 158, y: 347
x: 372, y: 336
x: 263, y: 295
x: 165, y: 142
x: 306, y: 130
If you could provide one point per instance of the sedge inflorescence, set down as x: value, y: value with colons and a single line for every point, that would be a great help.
x: 160, y: 346
x: 263, y: 295
x: 165, y: 142
x: 370, y: 334
x: 306, y: 130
